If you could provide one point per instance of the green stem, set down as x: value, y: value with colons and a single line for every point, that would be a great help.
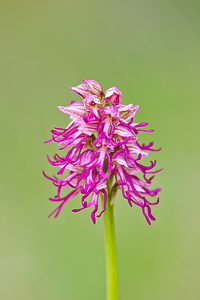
x: 110, y: 245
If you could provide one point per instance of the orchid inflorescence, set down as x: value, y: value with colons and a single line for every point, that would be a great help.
x: 105, y: 153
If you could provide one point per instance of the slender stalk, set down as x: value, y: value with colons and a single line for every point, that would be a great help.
x: 110, y: 247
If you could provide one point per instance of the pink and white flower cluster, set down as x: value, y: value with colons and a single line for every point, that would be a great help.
x: 105, y: 153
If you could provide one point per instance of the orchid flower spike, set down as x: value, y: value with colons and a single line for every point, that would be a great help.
x: 104, y: 153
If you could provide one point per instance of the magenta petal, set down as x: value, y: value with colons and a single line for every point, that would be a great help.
x: 113, y: 95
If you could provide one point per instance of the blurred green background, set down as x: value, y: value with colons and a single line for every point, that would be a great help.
x: 150, y: 51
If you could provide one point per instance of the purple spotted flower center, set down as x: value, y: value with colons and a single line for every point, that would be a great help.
x: 104, y: 153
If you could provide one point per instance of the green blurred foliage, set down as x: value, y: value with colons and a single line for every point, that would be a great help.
x: 150, y: 51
